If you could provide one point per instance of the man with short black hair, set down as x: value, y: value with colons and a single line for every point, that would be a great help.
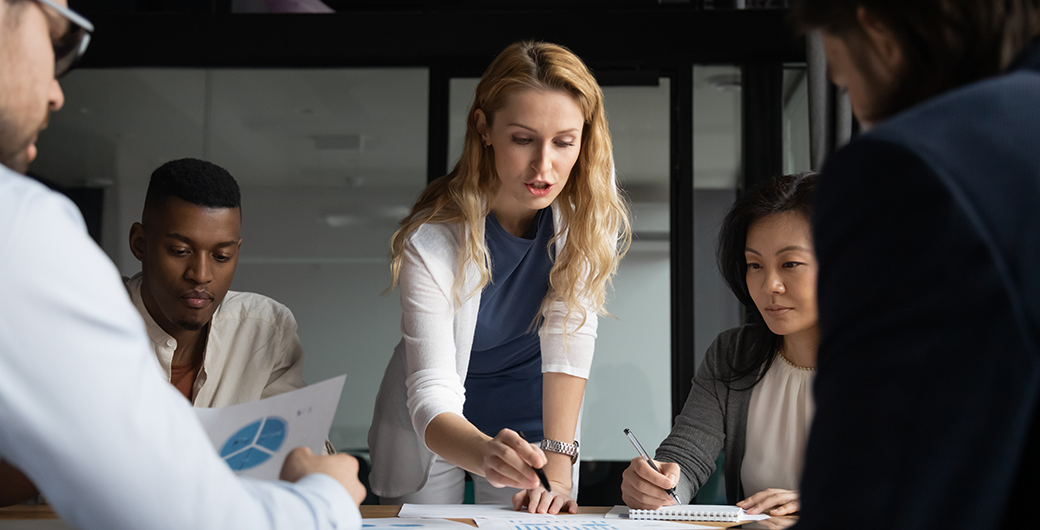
x: 84, y: 413
x: 217, y: 347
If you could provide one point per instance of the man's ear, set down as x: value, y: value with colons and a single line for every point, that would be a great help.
x: 879, y: 36
x: 137, y: 241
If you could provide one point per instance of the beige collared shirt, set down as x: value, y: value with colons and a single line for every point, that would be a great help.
x: 252, y: 350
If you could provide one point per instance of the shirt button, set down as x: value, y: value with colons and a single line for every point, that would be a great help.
x: 171, y: 343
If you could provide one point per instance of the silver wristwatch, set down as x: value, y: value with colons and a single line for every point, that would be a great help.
x: 555, y: 446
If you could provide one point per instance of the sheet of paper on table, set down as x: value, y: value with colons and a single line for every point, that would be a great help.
x: 621, y: 512
x: 580, y: 522
x: 464, y: 511
x: 254, y: 438
x: 399, y: 523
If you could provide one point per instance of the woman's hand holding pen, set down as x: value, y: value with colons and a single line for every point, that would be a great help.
x: 509, y: 461
x: 645, y: 489
x: 773, y: 501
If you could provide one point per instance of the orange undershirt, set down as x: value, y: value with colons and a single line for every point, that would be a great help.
x: 183, y: 377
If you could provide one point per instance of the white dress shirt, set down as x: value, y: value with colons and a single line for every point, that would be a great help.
x: 84, y: 410
x: 252, y: 349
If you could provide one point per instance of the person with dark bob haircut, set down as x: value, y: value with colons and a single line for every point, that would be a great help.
x: 927, y: 230
x: 752, y: 395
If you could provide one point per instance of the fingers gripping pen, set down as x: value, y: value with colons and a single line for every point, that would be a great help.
x: 642, y: 453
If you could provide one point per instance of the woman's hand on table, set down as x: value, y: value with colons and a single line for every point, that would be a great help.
x: 773, y: 523
x: 537, y: 500
x: 773, y: 501
x: 643, y: 488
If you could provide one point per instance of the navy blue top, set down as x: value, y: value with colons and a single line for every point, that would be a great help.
x: 504, y: 381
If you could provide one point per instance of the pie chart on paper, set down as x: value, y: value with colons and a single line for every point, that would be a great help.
x: 255, y: 443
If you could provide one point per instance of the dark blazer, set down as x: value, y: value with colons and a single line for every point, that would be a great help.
x: 927, y: 231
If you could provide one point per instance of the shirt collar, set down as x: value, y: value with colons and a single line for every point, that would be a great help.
x: 155, y: 332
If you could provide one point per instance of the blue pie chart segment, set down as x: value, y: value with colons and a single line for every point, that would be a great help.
x: 272, y: 435
x: 255, y: 443
x: 247, y: 459
x: 241, y: 439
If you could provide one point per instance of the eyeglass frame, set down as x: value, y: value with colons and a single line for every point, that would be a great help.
x: 64, y: 64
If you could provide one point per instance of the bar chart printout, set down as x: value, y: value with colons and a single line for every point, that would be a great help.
x: 580, y: 522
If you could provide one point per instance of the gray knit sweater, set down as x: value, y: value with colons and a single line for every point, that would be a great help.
x: 713, y: 418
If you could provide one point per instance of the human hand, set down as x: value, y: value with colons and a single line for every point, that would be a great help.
x: 644, y: 489
x: 342, y: 467
x: 509, y: 459
x: 537, y: 500
x: 773, y: 523
x: 773, y: 501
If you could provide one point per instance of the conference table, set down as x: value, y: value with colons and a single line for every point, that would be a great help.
x: 47, y: 519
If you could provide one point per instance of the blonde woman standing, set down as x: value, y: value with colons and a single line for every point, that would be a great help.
x: 502, y: 266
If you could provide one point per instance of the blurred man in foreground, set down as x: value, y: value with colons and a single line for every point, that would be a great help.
x: 84, y: 413
x: 927, y: 232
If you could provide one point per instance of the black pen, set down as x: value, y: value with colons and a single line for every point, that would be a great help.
x: 642, y: 453
x: 538, y: 471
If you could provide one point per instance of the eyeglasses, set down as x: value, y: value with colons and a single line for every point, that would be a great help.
x: 73, y: 44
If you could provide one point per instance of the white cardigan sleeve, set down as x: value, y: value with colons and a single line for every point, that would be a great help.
x: 568, y: 351
x: 434, y: 384
x: 571, y: 353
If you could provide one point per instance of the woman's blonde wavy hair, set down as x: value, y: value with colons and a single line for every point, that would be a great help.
x: 594, y: 216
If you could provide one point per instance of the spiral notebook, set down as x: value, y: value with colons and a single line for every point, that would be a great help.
x: 692, y: 512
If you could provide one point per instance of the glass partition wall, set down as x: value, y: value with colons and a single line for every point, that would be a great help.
x: 328, y: 162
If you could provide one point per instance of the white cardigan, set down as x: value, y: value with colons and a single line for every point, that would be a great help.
x: 427, y: 371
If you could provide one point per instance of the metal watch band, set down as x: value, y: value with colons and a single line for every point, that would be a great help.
x: 557, y: 446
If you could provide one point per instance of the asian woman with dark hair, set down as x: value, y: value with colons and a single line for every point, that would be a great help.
x: 752, y: 396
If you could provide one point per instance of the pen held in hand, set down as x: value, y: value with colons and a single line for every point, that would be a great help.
x: 645, y: 456
x: 538, y: 471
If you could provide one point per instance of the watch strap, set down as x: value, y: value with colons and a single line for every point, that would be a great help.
x: 564, y: 448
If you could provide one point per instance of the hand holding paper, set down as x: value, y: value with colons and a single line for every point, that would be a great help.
x: 342, y: 467
x: 254, y: 438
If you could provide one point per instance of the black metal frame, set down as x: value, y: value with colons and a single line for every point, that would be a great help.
x: 683, y: 355
x: 454, y: 39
